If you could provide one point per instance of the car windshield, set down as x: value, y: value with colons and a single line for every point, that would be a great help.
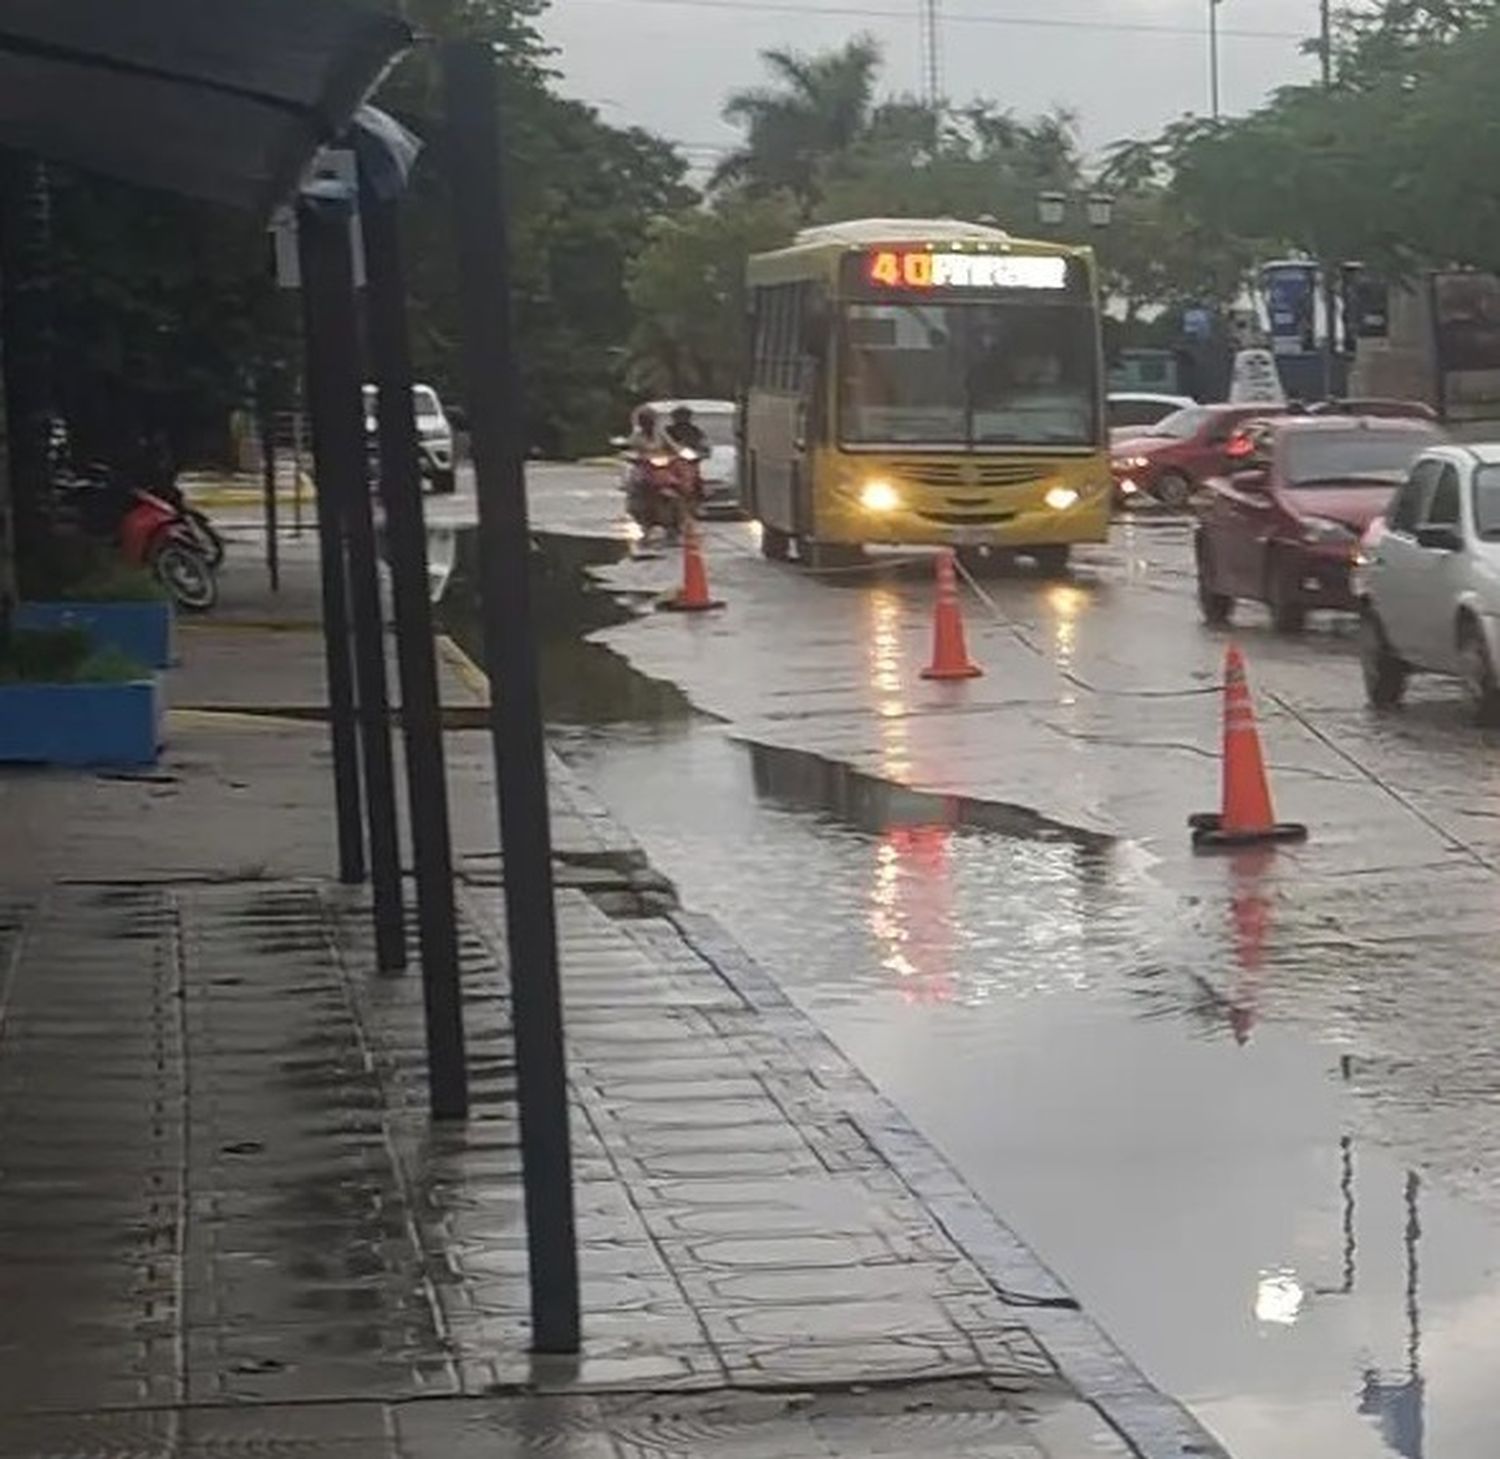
x: 1487, y: 503
x: 424, y: 400
x: 1181, y: 425
x: 1353, y: 457
x: 1124, y: 411
x: 969, y: 374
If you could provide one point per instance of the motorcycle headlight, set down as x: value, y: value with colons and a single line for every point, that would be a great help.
x: 660, y: 461
x: 1321, y: 531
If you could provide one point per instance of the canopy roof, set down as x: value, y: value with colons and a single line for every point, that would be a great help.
x: 224, y: 100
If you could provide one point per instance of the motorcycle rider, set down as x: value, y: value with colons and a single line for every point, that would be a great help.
x: 647, y: 439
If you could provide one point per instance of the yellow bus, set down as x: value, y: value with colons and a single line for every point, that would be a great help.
x: 924, y: 381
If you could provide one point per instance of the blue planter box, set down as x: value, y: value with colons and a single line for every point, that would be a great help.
x: 81, y: 724
x: 140, y: 631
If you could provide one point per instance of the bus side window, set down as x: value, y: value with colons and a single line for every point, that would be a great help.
x: 791, y: 379
x: 760, y: 362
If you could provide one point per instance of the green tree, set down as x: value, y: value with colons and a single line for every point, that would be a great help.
x: 688, y: 292
x: 817, y: 109
x: 583, y: 196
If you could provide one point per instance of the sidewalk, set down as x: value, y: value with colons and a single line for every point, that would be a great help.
x: 227, y: 1227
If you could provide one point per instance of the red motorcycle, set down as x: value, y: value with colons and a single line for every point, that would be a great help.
x: 665, y: 489
x: 152, y: 531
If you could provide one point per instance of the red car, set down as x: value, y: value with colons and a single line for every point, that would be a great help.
x: 1284, y: 527
x: 1172, y: 459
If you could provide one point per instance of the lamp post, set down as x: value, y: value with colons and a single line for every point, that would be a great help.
x: 1213, y: 57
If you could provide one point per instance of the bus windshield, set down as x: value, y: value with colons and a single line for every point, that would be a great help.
x: 969, y: 374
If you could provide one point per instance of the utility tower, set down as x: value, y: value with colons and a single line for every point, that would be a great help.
x: 932, y: 54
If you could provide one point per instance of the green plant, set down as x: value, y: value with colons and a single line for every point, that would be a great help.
x: 109, y: 666
x: 73, y: 569
x: 62, y: 656
x: 114, y: 582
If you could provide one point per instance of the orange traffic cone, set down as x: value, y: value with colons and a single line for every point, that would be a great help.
x: 693, y: 596
x: 1247, y: 817
x: 950, y: 655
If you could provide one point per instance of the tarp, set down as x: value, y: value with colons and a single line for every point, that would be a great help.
x: 224, y: 100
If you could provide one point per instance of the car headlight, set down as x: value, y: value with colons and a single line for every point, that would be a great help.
x: 1321, y: 530
x: 1060, y: 498
x: 1130, y: 463
x: 879, y: 496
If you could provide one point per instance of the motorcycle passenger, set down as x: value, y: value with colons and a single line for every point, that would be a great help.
x: 684, y: 433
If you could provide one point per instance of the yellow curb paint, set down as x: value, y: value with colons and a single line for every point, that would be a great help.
x: 238, y: 719
x: 252, y: 625
x: 473, y: 676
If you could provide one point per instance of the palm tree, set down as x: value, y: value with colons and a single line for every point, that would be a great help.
x: 818, y: 109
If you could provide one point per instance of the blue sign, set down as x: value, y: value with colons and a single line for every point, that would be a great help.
x: 1290, y: 290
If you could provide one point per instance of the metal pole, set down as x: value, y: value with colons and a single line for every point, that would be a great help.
x: 1325, y: 41
x: 1213, y: 58
x: 334, y: 567
x: 266, y: 411
x: 343, y: 479
x: 492, y: 377
x: 421, y: 715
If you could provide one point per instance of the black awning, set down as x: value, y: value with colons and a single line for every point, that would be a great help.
x: 224, y: 100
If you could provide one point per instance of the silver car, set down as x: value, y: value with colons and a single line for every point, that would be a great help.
x: 1428, y: 579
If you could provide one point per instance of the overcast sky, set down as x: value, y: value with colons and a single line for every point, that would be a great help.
x: 1125, y: 66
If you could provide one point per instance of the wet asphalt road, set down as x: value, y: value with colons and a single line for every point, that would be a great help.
x: 1242, y: 1105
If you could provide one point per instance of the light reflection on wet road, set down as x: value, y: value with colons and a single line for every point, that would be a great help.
x: 1199, y: 1089
x: 1188, y: 1188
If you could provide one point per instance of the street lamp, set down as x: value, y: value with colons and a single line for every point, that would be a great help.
x: 1052, y: 209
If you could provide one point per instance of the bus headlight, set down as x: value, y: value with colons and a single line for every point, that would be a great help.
x: 879, y: 496
x: 1060, y: 498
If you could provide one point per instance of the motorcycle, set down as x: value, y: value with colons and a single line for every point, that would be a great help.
x: 665, y: 488
x: 177, y: 544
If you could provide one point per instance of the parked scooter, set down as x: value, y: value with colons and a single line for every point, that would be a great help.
x: 178, y: 545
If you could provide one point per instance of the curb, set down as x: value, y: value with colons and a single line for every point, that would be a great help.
x: 1153, y: 1424
x: 474, y: 679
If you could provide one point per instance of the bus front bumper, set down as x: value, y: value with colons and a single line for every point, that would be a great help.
x: 1034, y: 523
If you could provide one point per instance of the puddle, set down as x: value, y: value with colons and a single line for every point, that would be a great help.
x: 799, y: 779
x: 1108, y: 1064
x: 582, y: 683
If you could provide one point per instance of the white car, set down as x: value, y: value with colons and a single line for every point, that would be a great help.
x: 717, y: 419
x: 434, y: 435
x: 1129, y: 411
x: 1429, y: 579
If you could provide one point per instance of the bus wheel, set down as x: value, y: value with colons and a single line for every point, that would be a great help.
x: 824, y: 556
x: 775, y: 545
x: 1051, y: 562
